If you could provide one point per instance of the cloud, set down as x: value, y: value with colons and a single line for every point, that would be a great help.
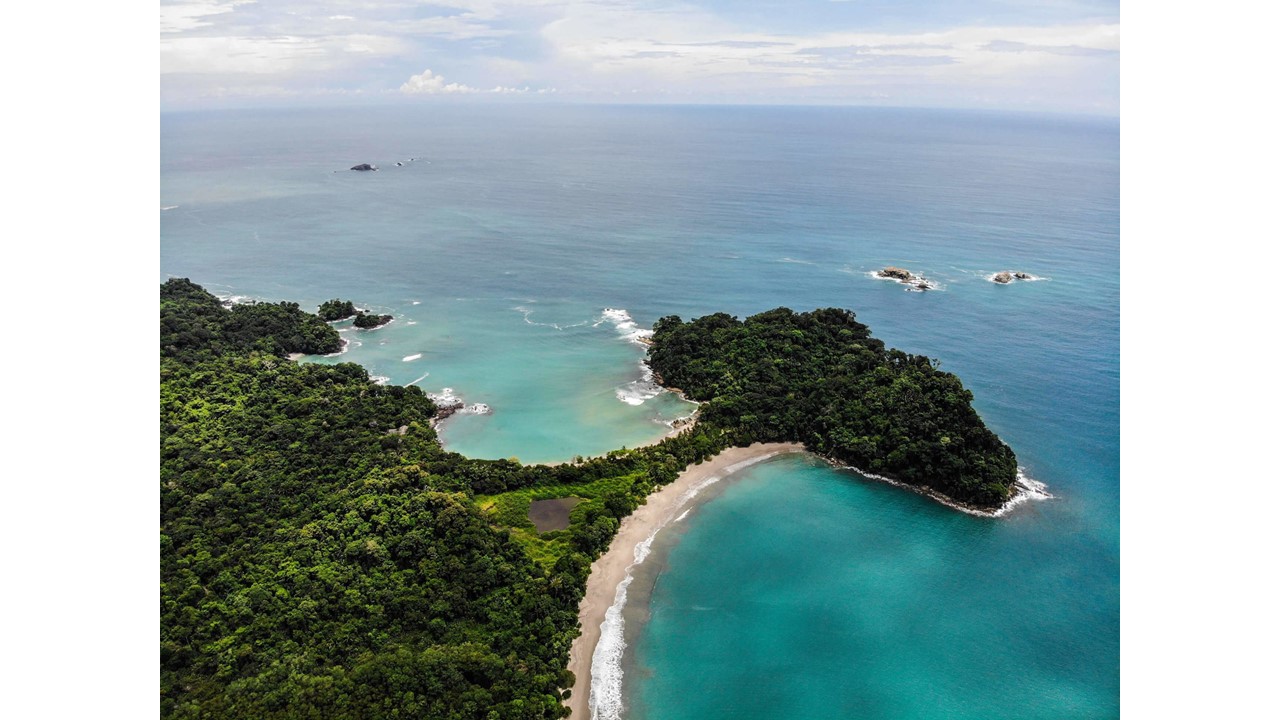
x: 1012, y: 46
x: 280, y: 56
x: 642, y: 49
x: 191, y: 15
x: 428, y: 83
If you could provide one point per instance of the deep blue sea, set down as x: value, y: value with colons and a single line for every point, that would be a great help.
x: 520, y: 247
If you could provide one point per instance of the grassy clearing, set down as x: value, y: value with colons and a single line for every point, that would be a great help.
x: 511, y: 510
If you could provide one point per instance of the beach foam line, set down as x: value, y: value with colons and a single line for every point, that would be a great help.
x: 638, y: 391
x: 346, y: 345
x: 1024, y: 489
x: 604, y: 701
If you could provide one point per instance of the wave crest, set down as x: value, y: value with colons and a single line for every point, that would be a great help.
x: 625, y: 325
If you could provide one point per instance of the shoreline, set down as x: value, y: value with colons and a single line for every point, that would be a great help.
x: 1025, y: 488
x: 612, y: 568
x: 611, y: 572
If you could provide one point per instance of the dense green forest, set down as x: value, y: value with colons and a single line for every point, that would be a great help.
x: 820, y: 378
x: 336, y: 309
x: 195, y: 325
x: 322, y: 557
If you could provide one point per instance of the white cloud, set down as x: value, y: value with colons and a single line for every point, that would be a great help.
x: 636, y: 48
x: 190, y: 15
x: 428, y: 83
x: 281, y: 56
x: 690, y: 52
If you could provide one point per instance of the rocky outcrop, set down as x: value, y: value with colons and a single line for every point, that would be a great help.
x: 906, y: 277
x: 1004, y: 277
x: 364, y: 167
x: 444, y: 411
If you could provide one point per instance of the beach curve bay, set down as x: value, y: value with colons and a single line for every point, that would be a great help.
x: 596, y: 654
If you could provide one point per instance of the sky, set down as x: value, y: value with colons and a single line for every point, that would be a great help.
x: 1051, y: 55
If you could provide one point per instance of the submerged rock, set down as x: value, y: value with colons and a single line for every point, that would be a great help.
x: 1022, y: 276
x: 364, y: 167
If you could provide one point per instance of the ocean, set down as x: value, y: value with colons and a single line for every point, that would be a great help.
x: 520, y: 248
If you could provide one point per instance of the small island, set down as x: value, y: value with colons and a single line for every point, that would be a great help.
x: 364, y: 167
x: 369, y: 321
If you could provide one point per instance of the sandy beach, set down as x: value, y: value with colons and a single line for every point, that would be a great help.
x: 611, y: 568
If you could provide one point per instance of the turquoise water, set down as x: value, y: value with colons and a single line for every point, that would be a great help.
x: 500, y: 248
x: 805, y: 592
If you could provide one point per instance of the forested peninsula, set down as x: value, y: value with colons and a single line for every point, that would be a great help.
x: 819, y: 378
x: 322, y: 556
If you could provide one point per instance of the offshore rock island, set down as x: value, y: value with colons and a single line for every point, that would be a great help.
x: 323, y: 556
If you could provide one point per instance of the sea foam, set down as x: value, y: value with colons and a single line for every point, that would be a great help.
x: 446, y: 396
x: 411, y: 358
x: 637, y: 391
x: 625, y: 326
x: 528, y: 312
x: 643, y: 388
x: 345, y: 346
x: 1025, y: 489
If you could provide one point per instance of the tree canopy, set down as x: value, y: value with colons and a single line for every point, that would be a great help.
x: 820, y: 378
x: 333, y: 310
x: 321, y: 556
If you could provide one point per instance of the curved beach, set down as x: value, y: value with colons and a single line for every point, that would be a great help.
x: 611, y: 568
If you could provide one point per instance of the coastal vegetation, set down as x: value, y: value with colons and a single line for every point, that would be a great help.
x: 322, y: 556
x: 334, y: 310
x: 820, y: 378
x: 368, y: 321
x: 196, y: 325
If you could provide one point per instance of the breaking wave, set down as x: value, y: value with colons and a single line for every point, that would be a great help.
x: 625, y: 326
